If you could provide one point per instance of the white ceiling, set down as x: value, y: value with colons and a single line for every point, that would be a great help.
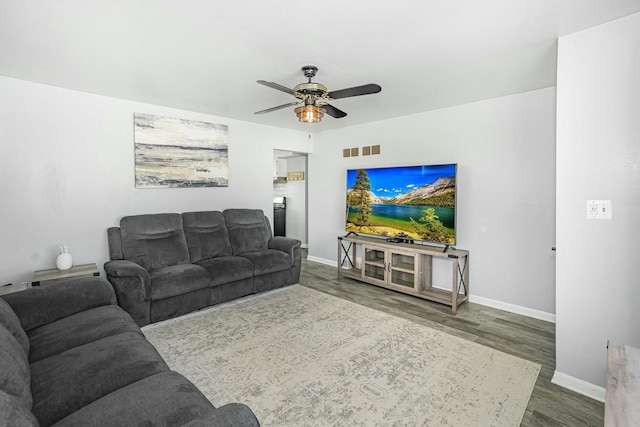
x: 206, y: 56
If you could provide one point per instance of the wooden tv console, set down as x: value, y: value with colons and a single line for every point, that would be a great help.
x: 403, y: 267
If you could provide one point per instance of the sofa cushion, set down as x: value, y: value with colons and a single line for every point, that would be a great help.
x: 177, y: 279
x: 9, y: 320
x: 79, y: 329
x: 68, y: 381
x: 15, y: 377
x: 154, y: 241
x: 248, y: 230
x: 13, y: 413
x: 164, y: 399
x: 227, y: 269
x: 206, y: 234
x: 45, y: 304
x: 268, y: 261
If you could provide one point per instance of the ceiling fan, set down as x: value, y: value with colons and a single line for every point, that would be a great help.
x: 315, y: 97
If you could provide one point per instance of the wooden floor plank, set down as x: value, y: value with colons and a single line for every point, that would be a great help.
x: 521, y: 336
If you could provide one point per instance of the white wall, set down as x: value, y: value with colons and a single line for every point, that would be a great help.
x: 505, y: 151
x: 598, y: 157
x: 67, y: 173
x: 297, y: 201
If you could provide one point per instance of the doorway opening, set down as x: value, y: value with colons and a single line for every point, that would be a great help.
x: 290, y: 195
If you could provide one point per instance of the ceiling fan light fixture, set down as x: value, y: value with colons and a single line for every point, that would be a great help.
x: 310, y: 113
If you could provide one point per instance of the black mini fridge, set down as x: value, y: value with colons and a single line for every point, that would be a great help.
x: 279, y: 216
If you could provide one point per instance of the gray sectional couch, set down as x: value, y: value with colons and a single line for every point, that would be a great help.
x: 166, y: 265
x: 69, y: 356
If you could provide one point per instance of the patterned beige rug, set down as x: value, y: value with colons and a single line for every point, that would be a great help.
x: 299, y: 357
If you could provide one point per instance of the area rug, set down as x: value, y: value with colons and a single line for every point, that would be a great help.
x: 299, y: 357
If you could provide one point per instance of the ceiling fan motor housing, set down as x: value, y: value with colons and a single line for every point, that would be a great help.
x: 306, y: 90
x: 311, y: 92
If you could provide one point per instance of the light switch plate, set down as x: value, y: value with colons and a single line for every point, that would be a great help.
x: 599, y: 209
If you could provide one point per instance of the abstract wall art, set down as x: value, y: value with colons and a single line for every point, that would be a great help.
x: 179, y: 153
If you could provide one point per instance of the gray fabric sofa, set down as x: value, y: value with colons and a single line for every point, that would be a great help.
x: 69, y: 356
x: 165, y: 265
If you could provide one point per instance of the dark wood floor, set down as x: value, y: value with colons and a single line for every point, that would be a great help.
x: 531, y: 339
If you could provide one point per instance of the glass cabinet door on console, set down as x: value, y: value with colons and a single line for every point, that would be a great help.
x: 402, y: 266
x: 374, y: 265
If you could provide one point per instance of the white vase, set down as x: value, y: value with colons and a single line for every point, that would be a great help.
x: 64, y: 260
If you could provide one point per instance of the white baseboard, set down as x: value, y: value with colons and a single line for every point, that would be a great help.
x: 324, y: 261
x: 512, y: 308
x: 579, y: 386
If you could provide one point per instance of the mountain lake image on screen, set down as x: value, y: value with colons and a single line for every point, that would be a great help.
x: 416, y: 202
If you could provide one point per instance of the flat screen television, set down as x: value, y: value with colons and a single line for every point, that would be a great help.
x: 411, y: 202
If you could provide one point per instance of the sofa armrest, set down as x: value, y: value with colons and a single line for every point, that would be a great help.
x: 47, y: 303
x: 286, y: 244
x: 123, y: 268
x: 132, y: 284
x: 231, y: 414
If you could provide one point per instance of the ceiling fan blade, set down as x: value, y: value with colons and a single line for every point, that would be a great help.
x: 333, y: 111
x: 277, y: 87
x: 279, y: 107
x: 355, y: 91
